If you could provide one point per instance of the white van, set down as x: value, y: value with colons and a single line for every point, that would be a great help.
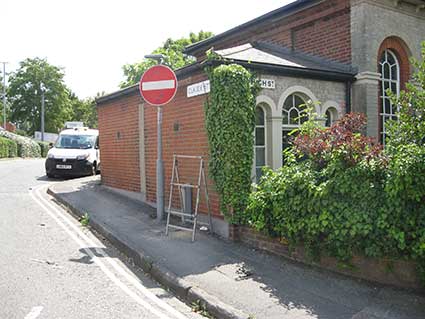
x: 75, y: 153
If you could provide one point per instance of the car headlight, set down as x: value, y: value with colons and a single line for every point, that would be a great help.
x: 50, y: 156
x: 83, y: 157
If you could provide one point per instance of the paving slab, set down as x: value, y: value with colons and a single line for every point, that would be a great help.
x: 239, y: 281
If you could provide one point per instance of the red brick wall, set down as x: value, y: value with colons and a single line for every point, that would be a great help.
x: 183, y: 132
x: 322, y: 30
x: 119, y: 142
x: 403, y: 273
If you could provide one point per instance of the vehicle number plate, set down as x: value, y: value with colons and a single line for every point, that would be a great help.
x: 64, y: 166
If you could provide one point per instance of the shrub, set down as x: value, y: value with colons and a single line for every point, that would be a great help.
x: 13, y: 148
x: 44, y: 147
x: 27, y: 147
x: 340, y: 195
x: 8, y: 148
x: 4, y: 149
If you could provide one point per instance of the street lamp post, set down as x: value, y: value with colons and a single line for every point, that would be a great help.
x: 42, y: 89
x: 4, y: 94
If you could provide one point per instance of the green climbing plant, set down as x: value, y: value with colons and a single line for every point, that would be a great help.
x: 230, y: 122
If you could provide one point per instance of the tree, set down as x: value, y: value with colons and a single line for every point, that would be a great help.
x: 25, y: 93
x: 84, y: 110
x: 174, y: 57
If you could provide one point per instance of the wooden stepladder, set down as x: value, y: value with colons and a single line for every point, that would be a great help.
x: 192, y: 216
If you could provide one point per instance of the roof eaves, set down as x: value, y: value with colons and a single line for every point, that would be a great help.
x: 283, y: 11
x: 284, y: 70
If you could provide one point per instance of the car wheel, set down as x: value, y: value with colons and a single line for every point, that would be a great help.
x: 98, y: 169
x: 93, y: 169
x: 50, y: 175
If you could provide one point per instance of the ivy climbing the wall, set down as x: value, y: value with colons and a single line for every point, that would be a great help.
x: 230, y: 122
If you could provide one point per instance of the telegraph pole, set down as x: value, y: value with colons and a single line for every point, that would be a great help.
x: 4, y: 94
x: 42, y: 114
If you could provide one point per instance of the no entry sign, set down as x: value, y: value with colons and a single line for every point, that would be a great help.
x: 158, y: 85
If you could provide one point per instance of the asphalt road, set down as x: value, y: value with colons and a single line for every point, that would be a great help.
x: 52, y: 267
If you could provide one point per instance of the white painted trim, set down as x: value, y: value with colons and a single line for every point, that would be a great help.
x: 267, y: 100
x: 158, y: 85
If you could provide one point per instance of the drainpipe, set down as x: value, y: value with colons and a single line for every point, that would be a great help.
x: 347, y: 97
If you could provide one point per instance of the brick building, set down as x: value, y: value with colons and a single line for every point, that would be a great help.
x: 340, y: 54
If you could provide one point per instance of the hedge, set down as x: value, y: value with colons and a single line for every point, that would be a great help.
x: 8, y: 148
x: 4, y: 150
x: 27, y: 147
x: 44, y: 147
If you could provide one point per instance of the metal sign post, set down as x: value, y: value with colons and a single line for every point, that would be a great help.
x: 158, y: 85
x: 159, y: 170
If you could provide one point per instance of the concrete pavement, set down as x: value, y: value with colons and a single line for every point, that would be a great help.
x: 233, y: 280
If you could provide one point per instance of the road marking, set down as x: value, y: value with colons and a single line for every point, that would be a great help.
x: 136, y: 283
x: 34, y: 313
x: 45, y: 204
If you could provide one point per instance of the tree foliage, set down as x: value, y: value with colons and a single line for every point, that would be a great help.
x: 174, y: 57
x: 230, y: 122
x: 24, y: 92
x: 84, y: 110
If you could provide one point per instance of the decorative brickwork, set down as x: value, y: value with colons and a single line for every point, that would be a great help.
x: 400, y: 49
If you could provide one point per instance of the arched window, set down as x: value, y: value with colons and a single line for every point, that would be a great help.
x: 293, y: 115
x: 260, y: 142
x: 331, y: 116
x: 390, y: 79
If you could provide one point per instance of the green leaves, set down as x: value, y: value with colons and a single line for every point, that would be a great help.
x: 230, y: 122
x: 371, y: 207
x: 174, y: 57
x: 25, y: 94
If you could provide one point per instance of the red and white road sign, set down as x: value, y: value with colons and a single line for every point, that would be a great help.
x: 158, y: 85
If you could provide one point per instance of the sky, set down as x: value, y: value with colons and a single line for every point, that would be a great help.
x: 93, y: 39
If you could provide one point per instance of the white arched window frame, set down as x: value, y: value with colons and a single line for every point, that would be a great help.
x: 292, y: 116
x: 390, y: 79
x: 260, y: 145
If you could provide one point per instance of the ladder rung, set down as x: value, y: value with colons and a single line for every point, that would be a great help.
x: 187, y: 185
x: 187, y: 156
x: 179, y: 227
x: 174, y: 212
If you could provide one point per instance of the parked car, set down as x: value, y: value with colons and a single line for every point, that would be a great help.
x: 75, y: 153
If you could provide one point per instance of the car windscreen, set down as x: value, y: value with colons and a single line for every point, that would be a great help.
x: 76, y: 141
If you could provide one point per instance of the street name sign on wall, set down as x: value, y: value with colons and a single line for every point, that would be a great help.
x: 204, y: 87
x: 267, y: 84
x: 198, y: 88
x: 158, y: 85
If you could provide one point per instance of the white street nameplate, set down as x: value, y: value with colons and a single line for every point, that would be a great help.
x: 198, y: 88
